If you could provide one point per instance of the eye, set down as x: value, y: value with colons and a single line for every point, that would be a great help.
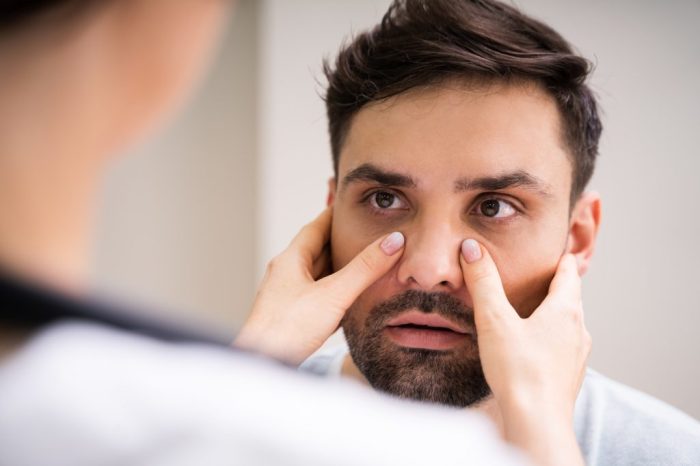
x: 495, y: 208
x: 385, y: 200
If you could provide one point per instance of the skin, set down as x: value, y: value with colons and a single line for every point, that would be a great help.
x: 90, y: 87
x: 440, y: 137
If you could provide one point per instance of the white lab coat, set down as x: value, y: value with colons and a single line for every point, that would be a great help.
x: 82, y: 394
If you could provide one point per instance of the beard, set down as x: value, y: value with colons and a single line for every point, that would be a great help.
x: 453, y: 377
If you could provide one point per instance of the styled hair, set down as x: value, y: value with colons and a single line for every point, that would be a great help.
x: 421, y: 43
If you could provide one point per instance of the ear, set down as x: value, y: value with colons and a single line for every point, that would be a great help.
x: 583, y: 229
x: 331, y: 192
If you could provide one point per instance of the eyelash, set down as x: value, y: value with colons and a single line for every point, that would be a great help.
x: 367, y: 199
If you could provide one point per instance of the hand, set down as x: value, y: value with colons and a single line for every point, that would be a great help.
x: 534, y: 366
x: 297, y: 308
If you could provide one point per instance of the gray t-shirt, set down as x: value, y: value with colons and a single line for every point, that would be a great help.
x: 615, y: 424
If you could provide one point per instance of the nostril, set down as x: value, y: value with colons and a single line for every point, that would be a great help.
x: 445, y: 283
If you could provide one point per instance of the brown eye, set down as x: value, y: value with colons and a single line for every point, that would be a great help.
x: 383, y: 199
x: 495, y: 208
x: 490, y: 207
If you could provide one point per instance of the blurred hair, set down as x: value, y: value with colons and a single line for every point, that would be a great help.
x: 425, y: 42
x: 14, y: 14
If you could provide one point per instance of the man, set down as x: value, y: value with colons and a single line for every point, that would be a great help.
x: 467, y: 120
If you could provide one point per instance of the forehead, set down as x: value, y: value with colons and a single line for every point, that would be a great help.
x: 456, y: 130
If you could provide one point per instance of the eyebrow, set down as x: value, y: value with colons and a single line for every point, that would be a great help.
x: 372, y: 173
x: 519, y: 178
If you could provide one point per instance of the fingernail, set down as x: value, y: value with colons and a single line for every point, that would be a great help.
x: 471, y: 251
x: 392, y: 243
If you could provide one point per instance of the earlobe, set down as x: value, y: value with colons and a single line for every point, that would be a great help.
x: 583, y: 229
x: 331, y: 192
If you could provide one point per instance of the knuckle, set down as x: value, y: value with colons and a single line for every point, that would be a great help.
x: 274, y: 265
x: 307, y: 228
x: 571, y: 310
x: 307, y: 231
x: 366, y: 262
x: 576, y: 316
x: 497, y: 315
x: 479, y: 275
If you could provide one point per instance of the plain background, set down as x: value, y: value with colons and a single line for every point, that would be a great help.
x: 192, y: 217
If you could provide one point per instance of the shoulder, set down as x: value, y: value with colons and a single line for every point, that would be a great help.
x: 99, y: 393
x: 99, y: 396
x: 617, y: 424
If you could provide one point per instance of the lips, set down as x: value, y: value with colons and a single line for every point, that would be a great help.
x: 422, y: 330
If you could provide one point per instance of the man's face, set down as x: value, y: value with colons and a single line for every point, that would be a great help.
x: 441, y: 165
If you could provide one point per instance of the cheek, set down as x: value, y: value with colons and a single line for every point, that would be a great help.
x: 169, y: 44
x: 163, y: 48
x: 344, y: 245
x: 526, y: 276
x: 528, y: 260
x: 528, y: 292
x: 349, y: 236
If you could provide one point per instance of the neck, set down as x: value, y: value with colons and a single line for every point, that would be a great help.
x: 45, y: 212
x: 487, y: 407
x: 48, y: 163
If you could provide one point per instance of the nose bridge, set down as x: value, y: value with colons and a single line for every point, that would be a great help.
x: 431, y: 255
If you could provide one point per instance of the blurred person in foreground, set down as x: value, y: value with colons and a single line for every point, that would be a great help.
x: 82, y: 383
x: 469, y: 129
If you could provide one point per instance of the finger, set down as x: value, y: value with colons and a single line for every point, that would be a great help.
x: 366, y: 268
x: 322, y: 264
x: 483, y: 282
x: 584, y: 355
x: 566, y: 279
x: 566, y: 284
x: 308, y: 244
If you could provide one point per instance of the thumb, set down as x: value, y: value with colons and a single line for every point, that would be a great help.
x: 374, y: 261
x: 484, y: 283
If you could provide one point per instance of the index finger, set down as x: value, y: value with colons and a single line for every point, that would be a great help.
x: 566, y: 284
x: 483, y: 282
x: 367, y: 267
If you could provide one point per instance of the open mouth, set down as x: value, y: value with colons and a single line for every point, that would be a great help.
x: 416, y: 329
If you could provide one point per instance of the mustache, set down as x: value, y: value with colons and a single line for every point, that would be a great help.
x: 438, y: 302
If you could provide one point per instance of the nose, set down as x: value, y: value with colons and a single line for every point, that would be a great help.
x: 430, y: 260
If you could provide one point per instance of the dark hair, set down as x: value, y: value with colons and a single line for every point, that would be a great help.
x: 16, y: 13
x: 423, y: 42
